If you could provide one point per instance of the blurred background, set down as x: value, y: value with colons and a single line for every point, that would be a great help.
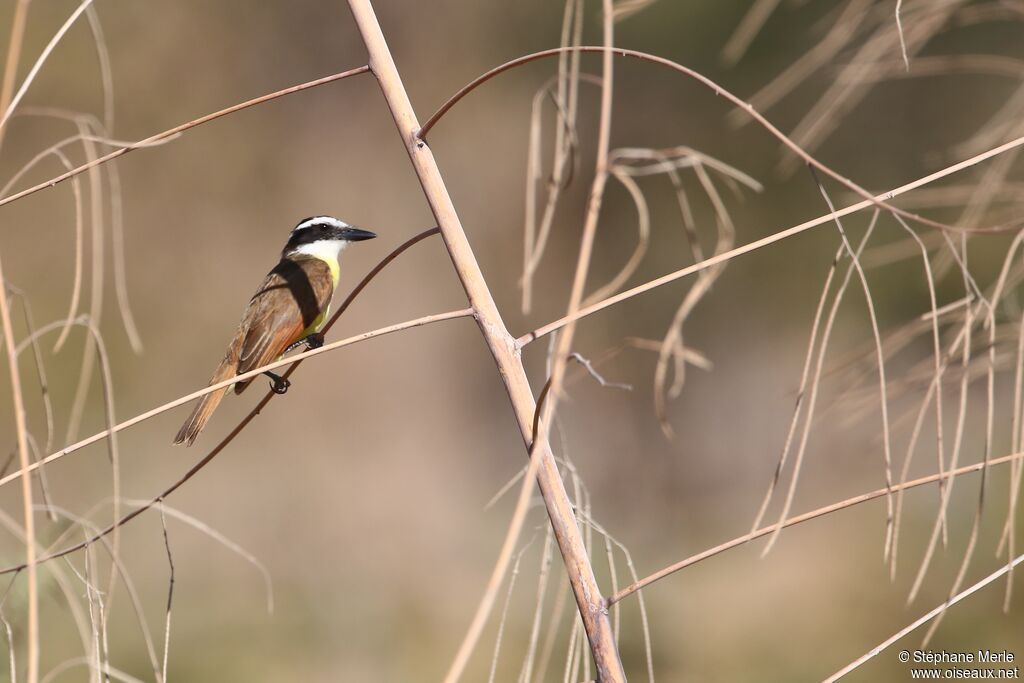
x: 363, y: 492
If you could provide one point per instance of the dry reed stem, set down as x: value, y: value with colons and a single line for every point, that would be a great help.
x: 21, y: 430
x: 922, y: 620
x: 499, y: 341
x: 807, y: 516
x: 121, y: 426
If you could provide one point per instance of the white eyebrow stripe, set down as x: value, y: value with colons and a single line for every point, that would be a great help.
x: 329, y: 220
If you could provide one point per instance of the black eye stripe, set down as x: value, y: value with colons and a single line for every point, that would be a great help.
x: 311, y: 233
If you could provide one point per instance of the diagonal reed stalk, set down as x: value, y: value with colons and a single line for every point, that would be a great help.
x: 501, y: 344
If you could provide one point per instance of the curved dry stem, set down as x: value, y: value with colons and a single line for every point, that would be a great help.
x: 42, y: 60
x: 106, y: 73
x: 87, y: 365
x: 643, y: 229
x: 672, y: 345
x: 172, y: 132
x: 880, y: 201
x: 566, y: 100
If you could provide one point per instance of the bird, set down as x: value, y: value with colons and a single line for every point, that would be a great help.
x: 288, y: 310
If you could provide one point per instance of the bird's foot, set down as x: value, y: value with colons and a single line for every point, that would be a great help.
x: 280, y: 384
x: 314, y: 341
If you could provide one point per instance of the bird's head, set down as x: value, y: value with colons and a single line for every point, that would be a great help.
x: 323, y: 235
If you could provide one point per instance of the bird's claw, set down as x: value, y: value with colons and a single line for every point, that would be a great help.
x: 279, y: 385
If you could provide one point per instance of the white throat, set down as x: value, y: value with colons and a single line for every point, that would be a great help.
x: 325, y: 250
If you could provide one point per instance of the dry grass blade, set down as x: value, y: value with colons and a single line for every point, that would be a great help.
x: 815, y: 385
x: 880, y: 359
x: 802, y: 389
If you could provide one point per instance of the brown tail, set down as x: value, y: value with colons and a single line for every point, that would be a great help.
x: 207, y: 404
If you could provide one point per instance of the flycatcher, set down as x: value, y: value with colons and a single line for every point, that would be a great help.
x: 288, y: 309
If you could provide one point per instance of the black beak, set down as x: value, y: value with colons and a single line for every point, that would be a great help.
x: 357, y: 235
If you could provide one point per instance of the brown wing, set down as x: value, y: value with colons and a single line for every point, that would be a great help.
x: 291, y: 298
